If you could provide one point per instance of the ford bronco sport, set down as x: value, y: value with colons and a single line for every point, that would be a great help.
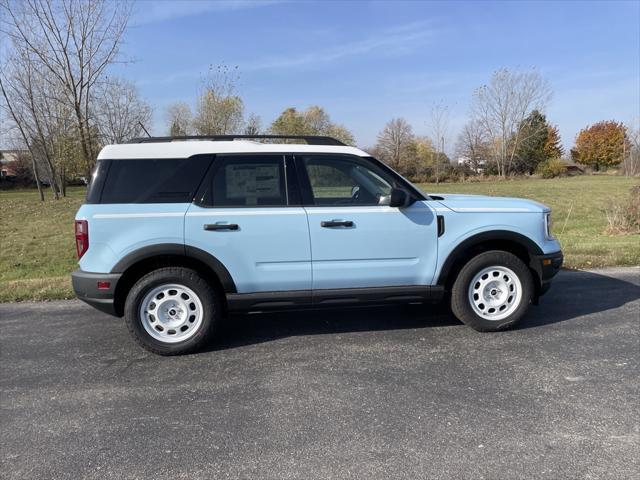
x: 177, y: 232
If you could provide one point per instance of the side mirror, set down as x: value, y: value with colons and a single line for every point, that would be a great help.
x: 399, y: 198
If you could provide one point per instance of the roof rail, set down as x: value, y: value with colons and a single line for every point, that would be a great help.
x: 310, y: 139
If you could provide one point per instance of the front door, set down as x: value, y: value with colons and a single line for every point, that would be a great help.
x: 244, y: 216
x: 356, y: 240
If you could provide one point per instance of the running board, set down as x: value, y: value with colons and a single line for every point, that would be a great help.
x: 297, y: 299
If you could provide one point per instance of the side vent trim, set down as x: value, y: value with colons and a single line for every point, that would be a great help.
x: 440, y: 225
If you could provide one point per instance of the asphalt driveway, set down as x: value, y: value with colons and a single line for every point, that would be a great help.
x: 379, y: 393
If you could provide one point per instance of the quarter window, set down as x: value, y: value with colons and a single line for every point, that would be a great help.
x: 148, y: 180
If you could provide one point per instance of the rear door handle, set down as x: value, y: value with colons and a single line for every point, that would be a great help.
x: 336, y: 223
x: 221, y: 226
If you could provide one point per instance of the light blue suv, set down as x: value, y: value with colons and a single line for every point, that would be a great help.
x: 177, y: 232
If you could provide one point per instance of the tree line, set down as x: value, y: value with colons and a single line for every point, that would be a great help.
x: 219, y: 110
x: 55, y: 88
x: 507, y: 133
x: 63, y: 105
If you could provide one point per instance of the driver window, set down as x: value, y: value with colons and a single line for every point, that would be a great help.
x: 340, y: 181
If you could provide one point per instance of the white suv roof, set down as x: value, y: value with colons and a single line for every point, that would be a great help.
x: 187, y: 148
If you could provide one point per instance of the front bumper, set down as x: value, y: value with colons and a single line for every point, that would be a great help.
x: 547, y: 266
x: 85, y: 285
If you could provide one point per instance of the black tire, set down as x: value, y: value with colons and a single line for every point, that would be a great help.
x: 211, y: 309
x: 461, y: 303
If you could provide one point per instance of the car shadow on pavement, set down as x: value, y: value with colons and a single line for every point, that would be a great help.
x: 247, y: 329
x: 573, y: 294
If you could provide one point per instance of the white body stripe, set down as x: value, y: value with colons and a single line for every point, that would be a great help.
x: 138, y: 215
x: 235, y: 212
x: 491, y: 209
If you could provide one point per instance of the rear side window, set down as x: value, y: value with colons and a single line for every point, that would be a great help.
x: 151, y: 181
x: 247, y: 181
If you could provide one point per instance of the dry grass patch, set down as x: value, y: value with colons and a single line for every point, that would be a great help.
x: 623, y: 216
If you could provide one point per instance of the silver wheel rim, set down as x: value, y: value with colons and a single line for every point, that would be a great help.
x: 495, y: 293
x: 171, y: 313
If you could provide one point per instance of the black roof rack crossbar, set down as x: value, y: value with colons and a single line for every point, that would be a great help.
x: 309, y: 139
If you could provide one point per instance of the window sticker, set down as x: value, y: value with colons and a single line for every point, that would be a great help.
x: 252, y: 181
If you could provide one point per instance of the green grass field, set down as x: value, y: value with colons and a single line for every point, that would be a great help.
x: 37, y: 250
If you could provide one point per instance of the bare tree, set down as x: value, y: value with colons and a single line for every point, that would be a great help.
x: 29, y: 100
x: 253, y: 126
x: 219, y: 110
x: 121, y: 114
x: 73, y: 41
x: 439, y: 130
x: 394, y: 141
x: 15, y: 116
x: 501, y: 108
x: 179, y: 119
x: 473, y: 145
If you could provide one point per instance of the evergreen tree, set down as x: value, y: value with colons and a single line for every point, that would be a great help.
x: 533, y: 139
x: 553, y: 146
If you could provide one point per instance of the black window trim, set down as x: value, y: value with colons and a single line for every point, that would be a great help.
x: 292, y: 197
x: 307, y: 191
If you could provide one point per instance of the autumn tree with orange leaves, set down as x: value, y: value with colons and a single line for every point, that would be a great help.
x: 600, y: 145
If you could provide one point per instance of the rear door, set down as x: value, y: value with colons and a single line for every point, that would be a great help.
x: 248, y: 215
x: 356, y: 240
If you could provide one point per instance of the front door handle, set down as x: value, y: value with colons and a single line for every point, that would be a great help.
x: 221, y: 226
x: 336, y: 223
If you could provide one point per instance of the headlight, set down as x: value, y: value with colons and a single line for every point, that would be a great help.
x: 547, y: 226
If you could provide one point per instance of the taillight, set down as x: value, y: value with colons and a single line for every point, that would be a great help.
x: 82, y: 237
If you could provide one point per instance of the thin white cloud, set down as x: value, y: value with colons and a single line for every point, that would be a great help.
x: 396, y: 40
x: 148, y: 11
x: 400, y: 39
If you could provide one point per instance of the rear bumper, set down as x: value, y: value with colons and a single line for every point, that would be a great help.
x: 85, y: 286
x: 547, y: 266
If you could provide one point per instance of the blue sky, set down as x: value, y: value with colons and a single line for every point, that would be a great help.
x: 366, y: 62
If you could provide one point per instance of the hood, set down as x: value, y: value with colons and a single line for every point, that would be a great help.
x: 483, y: 203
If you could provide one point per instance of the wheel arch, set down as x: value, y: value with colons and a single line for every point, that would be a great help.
x: 140, y: 262
x: 519, y: 245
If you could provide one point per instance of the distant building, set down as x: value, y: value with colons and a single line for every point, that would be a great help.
x: 477, y: 167
x: 9, y: 162
x: 573, y: 169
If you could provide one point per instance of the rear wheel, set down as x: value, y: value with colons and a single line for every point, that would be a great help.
x: 492, y: 292
x: 172, y: 311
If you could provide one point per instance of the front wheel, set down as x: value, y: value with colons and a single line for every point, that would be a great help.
x: 492, y: 292
x: 172, y: 311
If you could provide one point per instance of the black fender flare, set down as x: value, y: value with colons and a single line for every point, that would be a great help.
x: 177, y: 249
x: 496, y: 235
